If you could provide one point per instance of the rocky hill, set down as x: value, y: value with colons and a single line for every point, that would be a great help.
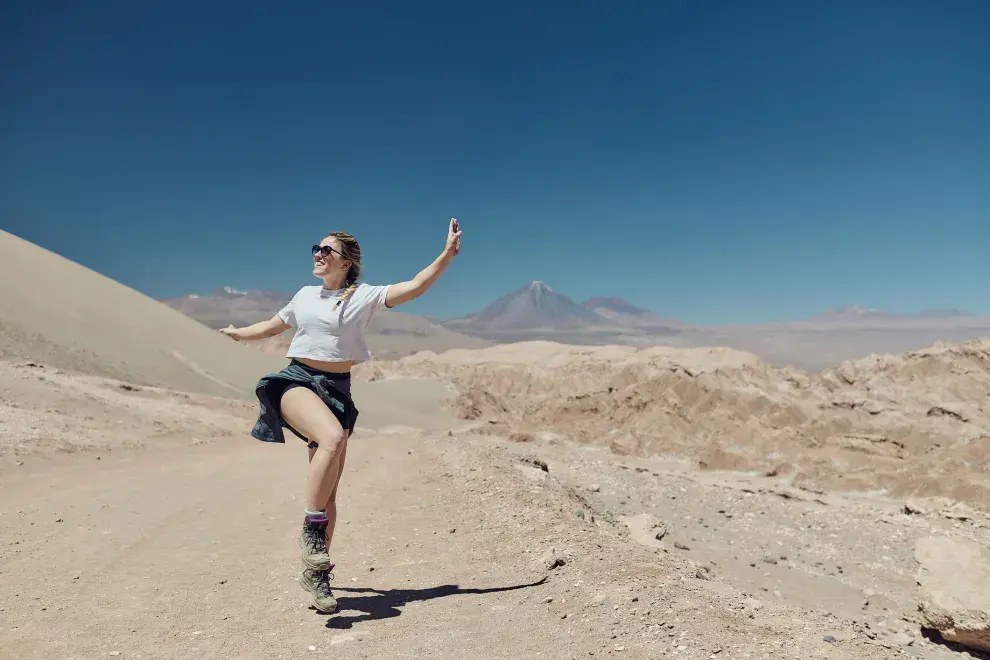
x: 914, y: 424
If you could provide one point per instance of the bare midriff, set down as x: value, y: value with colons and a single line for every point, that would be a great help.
x: 332, y: 367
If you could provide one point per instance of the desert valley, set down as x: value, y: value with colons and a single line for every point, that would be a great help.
x: 541, y: 479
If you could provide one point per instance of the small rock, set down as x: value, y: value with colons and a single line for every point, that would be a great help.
x: 538, y: 462
x: 595, y: 488
x: 312, y: 648
x: 829, y: 638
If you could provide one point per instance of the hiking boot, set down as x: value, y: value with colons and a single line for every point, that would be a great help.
x: 313, y: 543
x: 308, y: 578
x: 317, y: 583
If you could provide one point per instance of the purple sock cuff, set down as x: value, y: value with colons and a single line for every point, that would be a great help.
x: 320, y: 520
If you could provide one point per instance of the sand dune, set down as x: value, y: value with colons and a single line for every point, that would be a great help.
x: 67, y: 316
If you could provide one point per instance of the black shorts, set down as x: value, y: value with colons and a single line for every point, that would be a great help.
x: 333, y: 389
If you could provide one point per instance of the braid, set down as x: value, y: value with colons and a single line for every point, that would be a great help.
x: 349, y: 291
x: 351, y: 251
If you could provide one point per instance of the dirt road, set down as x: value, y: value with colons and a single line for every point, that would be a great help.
x: 443, y: 551
x: 192, y: 555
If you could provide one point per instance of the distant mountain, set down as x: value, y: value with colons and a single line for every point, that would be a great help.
x: 607, y: 306
x: 534, y: 306
x: 621, y: 311
x: 944, y: 313
x: 853, y: 313
x: 227, y: 305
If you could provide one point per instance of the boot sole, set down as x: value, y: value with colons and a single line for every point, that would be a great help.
x: 318, y: 566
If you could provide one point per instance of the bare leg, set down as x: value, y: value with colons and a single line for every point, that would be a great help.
x: 331, y: 504
x: 306, y: 413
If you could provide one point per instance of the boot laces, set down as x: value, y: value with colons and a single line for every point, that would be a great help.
x: 323, y: 584
x: 316, y: 539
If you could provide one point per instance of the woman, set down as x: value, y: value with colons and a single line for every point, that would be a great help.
x: 311, y: 396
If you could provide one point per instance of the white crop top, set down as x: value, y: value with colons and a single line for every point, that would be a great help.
x: 328, y: 334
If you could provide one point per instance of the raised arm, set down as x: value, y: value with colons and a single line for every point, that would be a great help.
x: 260, y: 330
x: 402, y: 292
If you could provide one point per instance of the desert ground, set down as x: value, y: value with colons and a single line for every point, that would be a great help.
x: 532, y: 500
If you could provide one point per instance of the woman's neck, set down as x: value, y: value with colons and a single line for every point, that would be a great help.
x: 334, y: 283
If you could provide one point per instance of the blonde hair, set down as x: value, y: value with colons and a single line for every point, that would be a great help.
x: 350, y: 250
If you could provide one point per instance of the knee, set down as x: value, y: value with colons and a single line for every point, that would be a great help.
x: 329, y: 440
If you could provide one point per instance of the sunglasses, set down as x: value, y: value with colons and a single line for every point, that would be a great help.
x: 325, y: 251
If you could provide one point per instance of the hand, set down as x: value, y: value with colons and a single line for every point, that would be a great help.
x: 453, y: 237
x: 231, y: 332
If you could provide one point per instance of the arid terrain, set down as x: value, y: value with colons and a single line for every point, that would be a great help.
x: 532, y: 500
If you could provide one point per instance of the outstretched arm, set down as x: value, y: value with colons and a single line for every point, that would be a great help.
x: 402, y: 292
x: 273, y: 326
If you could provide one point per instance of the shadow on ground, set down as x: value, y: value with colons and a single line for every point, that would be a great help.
x: 385, y: 604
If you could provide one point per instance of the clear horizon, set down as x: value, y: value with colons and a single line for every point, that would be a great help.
x: 717, y: 165
x: 579, y: 300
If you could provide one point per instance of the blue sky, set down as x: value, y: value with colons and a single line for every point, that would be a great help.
x: 713, y: 161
